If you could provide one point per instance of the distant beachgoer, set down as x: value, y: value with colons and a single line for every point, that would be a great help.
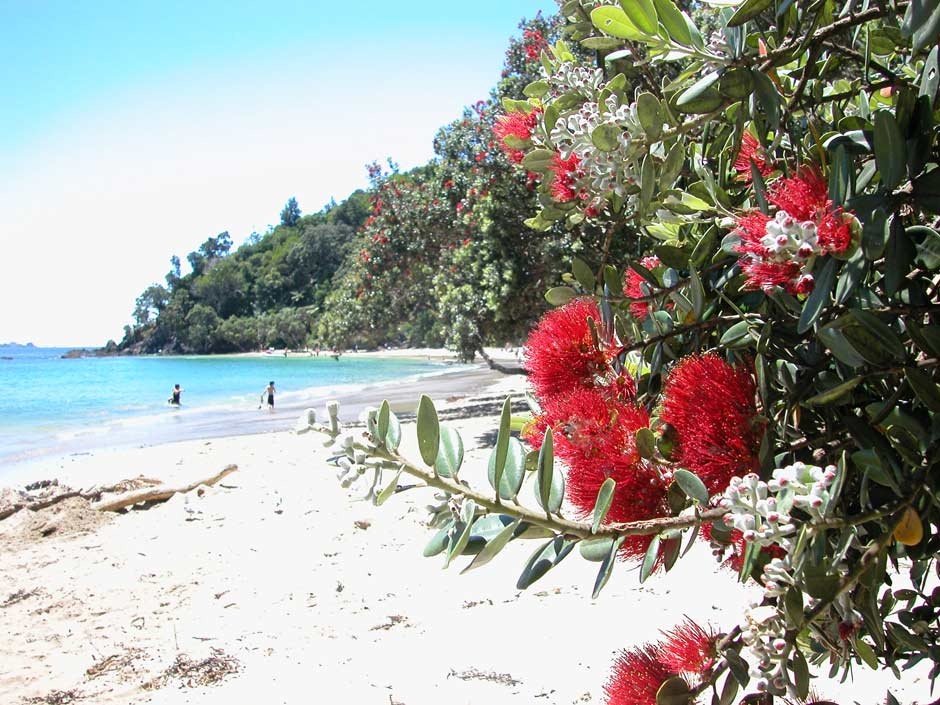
x: 175, y: 395
x: 269, y: 393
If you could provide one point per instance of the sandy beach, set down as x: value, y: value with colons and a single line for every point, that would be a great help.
x: 277, y: 585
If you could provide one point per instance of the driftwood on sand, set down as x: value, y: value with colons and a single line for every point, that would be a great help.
x: 130, y: 491
x: 158, y: 493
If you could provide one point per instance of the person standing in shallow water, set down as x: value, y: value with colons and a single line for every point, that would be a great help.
x: 175, y: 395
x: 269, y: 393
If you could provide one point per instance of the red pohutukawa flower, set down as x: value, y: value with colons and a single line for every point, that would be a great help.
x: 751, y: 151
x: 688, y: 648
x: 561, y: 354
x: 566, y: 175
x: 594, y: 432
x: 515, y: 124
x: 636, y: 287
x: 712, y: 407
x: 780, y: 250
x: 638, y: 675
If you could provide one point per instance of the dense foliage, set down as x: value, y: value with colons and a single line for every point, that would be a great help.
x: 761, y: 372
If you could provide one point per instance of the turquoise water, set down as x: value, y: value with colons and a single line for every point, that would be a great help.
x: 55, y: 405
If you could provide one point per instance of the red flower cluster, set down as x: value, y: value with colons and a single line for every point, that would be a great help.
x: 688, y: 651
x: 711, y: 406
x: 779, y: 251
x: 561, y: 354
x: 566, y: 175
x: 751, y: 151
x: 534, y: 43
x: 592, y: 410
x: 518, y: 125
x: 633, y: 288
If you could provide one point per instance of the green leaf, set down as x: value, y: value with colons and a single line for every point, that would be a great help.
x: 538, y: 160
x: 673, y: 165
x: 612, y: 279
x: 393, y: 437
x: 544, y: 559
x: 429, y: 430
x: 868, y: 463
x: 768, y: 98
x: 650, y: 559
x: 924, y: 387
x: 921, y: 23
x: 696, y: 293
x: 493, y: 546
x: 647, y: 182
x: 833, y: 393
x: 819, y: 298
x: 674, y: 21
x: 643, y: 14
x: 388, y: 490
x: 671, y: 256
x: 800, y: 670
x: 467, y: 512
x: 513, y: 473
x: 866, y: 653
x: 878, y: 339
x: 596, y: 549
x: 500, y: 452
x: 439, y: 541
x: 560, y: 295
x: 605, y: 495
x: 450, y: 454
x: 738, y: 335
x: 702, y: 96
x: 736, y: 84
x: 927, y: 244
x: 729, y: 690
x: 890, y: 149
x: 645, y: 443
x: 674, y: 691
x: 601, y: 43
x: 748, y: 11
x: 693, y: 487
x: 650, y: 114
x: 930, y: 76
x: 536, y: 89
x: 549, y: 485
x: 606, y: 137
x: 583, y: 274
x: 382, y: 424
x: 614, y: 21
x: 607, y: 566
x: 841, y: 348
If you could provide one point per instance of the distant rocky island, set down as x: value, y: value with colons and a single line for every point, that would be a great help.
x: 17, y: 345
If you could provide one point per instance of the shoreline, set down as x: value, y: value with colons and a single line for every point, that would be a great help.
x: 182, y: 425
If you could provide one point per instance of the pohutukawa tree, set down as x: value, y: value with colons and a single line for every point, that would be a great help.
x: 762, y: 374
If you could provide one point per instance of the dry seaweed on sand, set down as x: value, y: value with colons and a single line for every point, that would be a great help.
x: 56, y: 697
x: 193, y: 673
x: 115, y: 663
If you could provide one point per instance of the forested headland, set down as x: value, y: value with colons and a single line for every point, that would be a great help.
x: 436, y: 256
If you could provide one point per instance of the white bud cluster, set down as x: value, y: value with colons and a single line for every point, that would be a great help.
x: 602, y: 172
x: 570, y: 78
x: 763, y: 633
x: 787, y: 239
x: 761, y: 512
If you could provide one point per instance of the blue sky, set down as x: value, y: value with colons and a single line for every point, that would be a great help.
x: 132, y: 131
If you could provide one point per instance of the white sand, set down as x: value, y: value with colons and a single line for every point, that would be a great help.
x: 316, y: 595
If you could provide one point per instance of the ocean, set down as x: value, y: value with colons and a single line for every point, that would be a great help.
x: 54, y: 406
